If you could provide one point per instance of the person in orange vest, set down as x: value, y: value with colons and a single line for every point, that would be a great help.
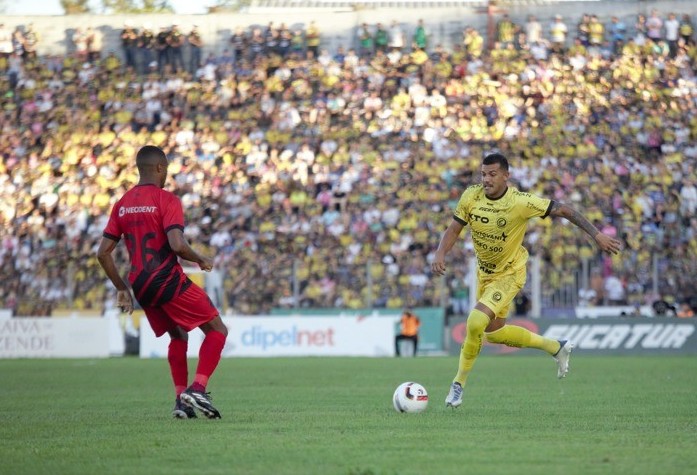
x: 410, y: 324
x: 685, y: 311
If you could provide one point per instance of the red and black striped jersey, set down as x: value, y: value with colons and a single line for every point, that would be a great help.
x: 143, y: 216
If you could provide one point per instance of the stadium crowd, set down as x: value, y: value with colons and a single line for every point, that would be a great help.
x: 335, y: 167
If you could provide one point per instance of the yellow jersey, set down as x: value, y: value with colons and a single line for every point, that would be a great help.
x: 498, y: 226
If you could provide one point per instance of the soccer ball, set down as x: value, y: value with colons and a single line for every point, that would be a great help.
x: 410, y: 397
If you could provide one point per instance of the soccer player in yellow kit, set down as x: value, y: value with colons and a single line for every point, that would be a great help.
x: 497, y: 215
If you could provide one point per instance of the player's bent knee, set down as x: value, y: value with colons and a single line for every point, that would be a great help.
x: 219, y: 326
x: 178, y: 333
x: 215, y: 325
x: 477, y: 322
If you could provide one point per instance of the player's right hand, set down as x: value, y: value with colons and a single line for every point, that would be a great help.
x: 438, y: 265
x: 608, y: 243
x: 206, y: 264
x: 124, y: 301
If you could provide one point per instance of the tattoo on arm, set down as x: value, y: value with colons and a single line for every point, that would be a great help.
x: 560, y: 209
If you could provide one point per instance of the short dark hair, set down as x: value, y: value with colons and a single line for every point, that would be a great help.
x: 494, y: 158
x: 150, y: 156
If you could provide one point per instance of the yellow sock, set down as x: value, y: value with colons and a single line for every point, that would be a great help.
x: 519, y: 337
x: 477, y: 321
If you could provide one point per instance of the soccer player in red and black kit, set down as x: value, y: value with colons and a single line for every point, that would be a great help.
x: 151, y: 220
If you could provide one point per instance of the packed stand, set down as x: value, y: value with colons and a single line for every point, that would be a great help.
x: 336, y: 168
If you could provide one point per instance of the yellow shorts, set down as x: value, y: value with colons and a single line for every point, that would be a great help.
x: 498, y: 291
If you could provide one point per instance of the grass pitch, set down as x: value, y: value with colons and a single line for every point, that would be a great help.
x: 612, y: 415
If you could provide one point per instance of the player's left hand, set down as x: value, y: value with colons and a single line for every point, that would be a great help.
x: 608, y: 243
x: 124, y: 301
x: 206, y: 264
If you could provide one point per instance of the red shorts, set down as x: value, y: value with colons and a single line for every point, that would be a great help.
x: 188, y: 310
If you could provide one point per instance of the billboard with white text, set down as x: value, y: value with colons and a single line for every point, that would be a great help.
x: 45, y: 337
x: 606, y: 336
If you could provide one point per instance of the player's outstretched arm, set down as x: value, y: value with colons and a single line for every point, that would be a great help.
x: 446, y: 243
x: 181, y: 247
x: 605, y: 242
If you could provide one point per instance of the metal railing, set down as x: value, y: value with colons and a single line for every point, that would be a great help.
x: 418, y: 4
x: 296, y: 282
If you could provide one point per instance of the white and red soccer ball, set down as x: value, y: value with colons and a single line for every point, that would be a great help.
x: 410, y: 397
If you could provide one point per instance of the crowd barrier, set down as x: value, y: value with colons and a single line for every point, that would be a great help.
x: 614, y: 311
x: 327, y: 335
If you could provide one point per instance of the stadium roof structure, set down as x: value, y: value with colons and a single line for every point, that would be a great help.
x: 368, y: 4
